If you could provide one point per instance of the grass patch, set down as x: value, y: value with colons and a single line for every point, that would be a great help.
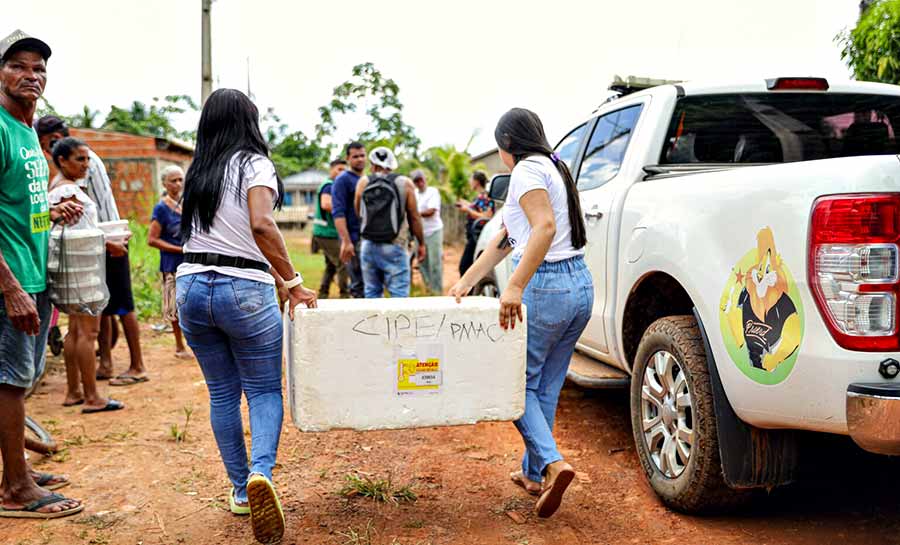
x: 359, y: 537
x: 382, y: 490
x: 146, y: 283
x: 179, y: 435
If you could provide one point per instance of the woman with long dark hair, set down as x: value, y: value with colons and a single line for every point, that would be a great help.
x: 234, y: 257
x: 545, y: 232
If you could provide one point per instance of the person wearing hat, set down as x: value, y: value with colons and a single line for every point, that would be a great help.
x: 97, y: 186
x: 25, y: 220
x: 386, y: 204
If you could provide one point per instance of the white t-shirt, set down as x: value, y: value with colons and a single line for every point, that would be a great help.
x: 430, y: 198
x: 230, y: 233
x: 538, y: 173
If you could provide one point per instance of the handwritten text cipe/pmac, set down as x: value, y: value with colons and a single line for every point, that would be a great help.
x: 426, y: 326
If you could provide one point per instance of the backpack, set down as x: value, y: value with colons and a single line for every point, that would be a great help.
x: 381, y: 209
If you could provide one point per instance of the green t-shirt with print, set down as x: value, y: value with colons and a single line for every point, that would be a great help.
x: 24, y: 210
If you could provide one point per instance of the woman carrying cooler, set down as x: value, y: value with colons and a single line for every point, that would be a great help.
x: 234, y: 256
x: 545, y: 232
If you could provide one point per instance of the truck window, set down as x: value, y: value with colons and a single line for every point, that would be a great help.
x: 606, y: 148
x: 568, y: 146
x: 780, y: 127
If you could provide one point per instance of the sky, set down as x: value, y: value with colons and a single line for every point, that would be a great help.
x: 460, y: 65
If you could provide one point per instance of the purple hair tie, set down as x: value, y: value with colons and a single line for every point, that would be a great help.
x: 554, y: 157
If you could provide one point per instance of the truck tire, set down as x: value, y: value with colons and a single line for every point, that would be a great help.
x: 674, y: 422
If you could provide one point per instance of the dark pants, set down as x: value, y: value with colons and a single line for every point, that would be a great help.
x: 354, y: 269
x: 468, y: 256
x: 331, y: 249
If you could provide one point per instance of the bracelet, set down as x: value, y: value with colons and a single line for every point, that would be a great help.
x: 296, y: 281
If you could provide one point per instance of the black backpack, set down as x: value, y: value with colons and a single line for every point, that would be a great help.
x: 381, y: 209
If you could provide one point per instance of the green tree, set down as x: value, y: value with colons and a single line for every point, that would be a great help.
x: 86, y: 119
x: 872, y: 48
x: 152, y: 120
x: 292, y: 152
x: 368, y: 85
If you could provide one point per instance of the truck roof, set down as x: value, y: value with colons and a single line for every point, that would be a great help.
x: 713, y: 87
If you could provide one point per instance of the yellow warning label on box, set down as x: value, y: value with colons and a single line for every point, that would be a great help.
x: 418, y: 376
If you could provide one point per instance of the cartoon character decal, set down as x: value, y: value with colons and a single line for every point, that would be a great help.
x: 761, y: 314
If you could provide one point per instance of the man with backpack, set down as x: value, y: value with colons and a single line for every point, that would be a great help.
x: 386, y: 204
x: 325, y: 235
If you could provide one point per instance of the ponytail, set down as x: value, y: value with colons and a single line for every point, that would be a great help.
x: 576, y: 218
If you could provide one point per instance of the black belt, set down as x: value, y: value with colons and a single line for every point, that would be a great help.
x: 219, y: 260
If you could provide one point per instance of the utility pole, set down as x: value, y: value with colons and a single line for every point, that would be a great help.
x: 206, y: 52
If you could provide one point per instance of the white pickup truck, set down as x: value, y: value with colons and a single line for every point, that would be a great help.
x: 743, y: 241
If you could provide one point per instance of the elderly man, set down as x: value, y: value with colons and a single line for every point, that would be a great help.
x: 25, y: 220
x: 429, y: 202
x: 118, y: 271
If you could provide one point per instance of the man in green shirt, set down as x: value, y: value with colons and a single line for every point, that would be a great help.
x: 25, y: 219
x: 325, y: 236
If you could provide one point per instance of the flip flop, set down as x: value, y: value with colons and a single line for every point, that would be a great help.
x: 127, y: 380
x: 111, y: 405
x: 241, y: 510
x: 551, y: 497
x: 519, y: 478
x: 79, y: 402
x: 266, y: 516
x: 44, y: 478
x: 30, y: 511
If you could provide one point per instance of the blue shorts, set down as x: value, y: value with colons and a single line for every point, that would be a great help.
x: 22, y: 356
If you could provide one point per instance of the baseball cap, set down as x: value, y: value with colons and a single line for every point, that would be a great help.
x: 17, y: 40
x: 49, y: 124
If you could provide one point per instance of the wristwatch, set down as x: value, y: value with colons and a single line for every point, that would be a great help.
x: 296, y: 281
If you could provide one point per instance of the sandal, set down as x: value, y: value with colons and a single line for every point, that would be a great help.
x: 266, y: 516
x: 532, y: 487
x: 555, y: 487
x: 235, y: 507
x: 111, y: 405
x: 44, y: 479
x: 30, y: 511
x: 127, y: 380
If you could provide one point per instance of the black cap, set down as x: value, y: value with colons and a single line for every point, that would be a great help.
x: 49, y: 124
x: 18, y: 40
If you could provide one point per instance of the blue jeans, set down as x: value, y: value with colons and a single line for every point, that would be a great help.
x: 22, y: 357
x: 354, y: 271
x: 559, y: 299
x: 234, y: 328
x: 384, y: 266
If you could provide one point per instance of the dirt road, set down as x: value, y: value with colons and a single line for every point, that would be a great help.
x: 143, y: 487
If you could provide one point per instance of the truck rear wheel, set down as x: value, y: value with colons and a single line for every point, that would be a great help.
x: 673, y: 419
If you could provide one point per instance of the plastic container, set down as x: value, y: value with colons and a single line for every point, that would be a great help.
x: 115, y: 231
x: 403, y: 363
x: 76, y: 270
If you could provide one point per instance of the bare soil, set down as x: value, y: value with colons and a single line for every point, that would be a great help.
x: 143, y: 487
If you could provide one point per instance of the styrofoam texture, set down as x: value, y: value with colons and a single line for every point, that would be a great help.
x: 342, y: 368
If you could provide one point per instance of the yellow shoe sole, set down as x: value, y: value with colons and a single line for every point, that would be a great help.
x: 266, y: 516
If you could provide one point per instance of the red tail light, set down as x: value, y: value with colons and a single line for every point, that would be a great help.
x: 797, y: 84
x: 853, y: 268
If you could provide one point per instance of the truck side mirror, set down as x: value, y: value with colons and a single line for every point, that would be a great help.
x: 498, y: 187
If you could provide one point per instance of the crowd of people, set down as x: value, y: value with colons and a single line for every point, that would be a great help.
x: 226, y: 273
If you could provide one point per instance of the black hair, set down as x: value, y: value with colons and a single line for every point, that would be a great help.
x: 229, y: 127
x: 352, y: 146
x: 480, y: 177
x: 521, y: 134
x: 337, y: 162
x: 63, y: 149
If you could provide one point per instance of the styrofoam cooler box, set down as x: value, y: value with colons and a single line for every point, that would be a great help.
x: 369, y: 364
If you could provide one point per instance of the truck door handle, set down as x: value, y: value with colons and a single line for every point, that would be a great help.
x: 593, y: 215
